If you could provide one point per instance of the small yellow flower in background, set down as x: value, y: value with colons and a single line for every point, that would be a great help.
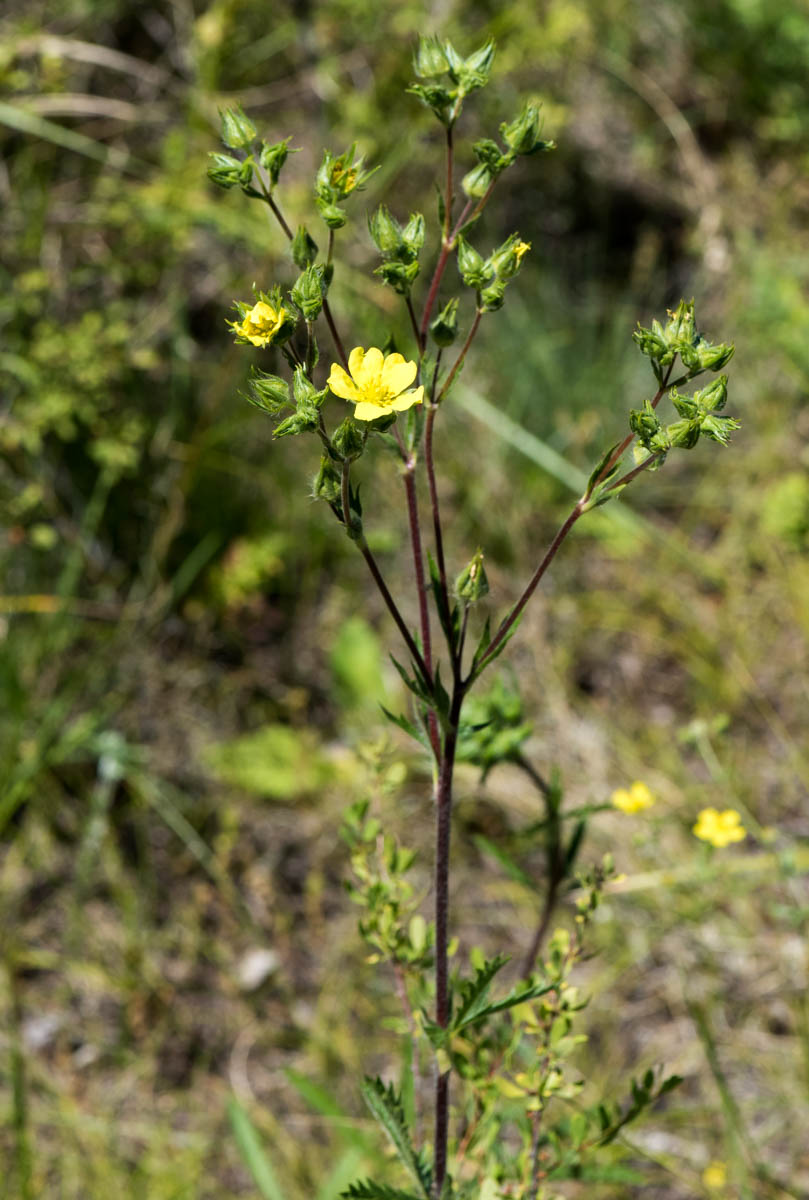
x: 715, y: 1175
x: 719, y: 828
x: 377, y: 385
x: 634, y: 799
x: 261, y: 324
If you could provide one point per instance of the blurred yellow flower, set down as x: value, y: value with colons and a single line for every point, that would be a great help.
x: 715, y: 1175
x: 634, y: 799
x: 719, y: 828
x: 261, y: 324
x: 520, y: 250
x: 377, y: 385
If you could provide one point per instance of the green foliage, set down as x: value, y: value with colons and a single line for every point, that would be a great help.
x: 277, y: 761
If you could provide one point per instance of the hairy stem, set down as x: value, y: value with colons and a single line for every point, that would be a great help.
x: 432, y: 409
x: 443, y: 797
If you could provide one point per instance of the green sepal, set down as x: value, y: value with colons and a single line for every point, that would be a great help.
x: 489, y: 154
x: 398, y: 275
x: 522, y: 134
x: 476, y: 183
x: 430, y: 58
x: 596, y: 472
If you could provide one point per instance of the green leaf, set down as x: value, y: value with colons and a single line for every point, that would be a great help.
x: 408, y: 727
x: 252, y: 1152
x: 387, y: 1107
x: 473, y: 993
x: 512, y: 868
x: 368, y: 1190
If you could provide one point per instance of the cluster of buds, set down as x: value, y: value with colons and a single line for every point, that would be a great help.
x: 240, y: 134
x: 339, y: 175
x: 662, y: 344
x: 521, y: 136
x: 436, y: 57
x: 698, y: 415
x: 399, y: 246
x: 489, y: 276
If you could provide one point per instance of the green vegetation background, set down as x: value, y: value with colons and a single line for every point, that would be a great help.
x: 192, y: 656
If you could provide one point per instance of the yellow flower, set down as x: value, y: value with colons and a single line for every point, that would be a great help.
x: 375, y: 384
x: 715, y: 1175
x: 633, y: 800
x: 261, y: 324
x: 520, y: 250
x: 719, y: 828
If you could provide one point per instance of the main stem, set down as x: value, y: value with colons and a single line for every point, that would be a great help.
x: 442, y: 847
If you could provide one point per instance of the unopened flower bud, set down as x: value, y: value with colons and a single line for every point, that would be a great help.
x: 472, y: 584
x: 474, y: 271
x: 238, y: 131
x: 307, y: 294
x: 327, y: 483
x: 304, y: 248
x: 272, y: 158
x: 444, y: 328
x: 348, y: 439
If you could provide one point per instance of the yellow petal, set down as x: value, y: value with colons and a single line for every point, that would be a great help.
x: 355, y: 360
x: 398, y: 374
x: 369, y: 369
x: 369, y: 412
x: 341, y: 385
x: 407, y: 399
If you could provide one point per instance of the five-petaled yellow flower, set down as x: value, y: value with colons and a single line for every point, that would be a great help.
x: 719, y: 828
x: 715, y: 1175
x: 633, y: 800
x: 261, y: 324
x: 377, y: 385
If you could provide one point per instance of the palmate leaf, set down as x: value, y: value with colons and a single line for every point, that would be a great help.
x: 387, y: 1107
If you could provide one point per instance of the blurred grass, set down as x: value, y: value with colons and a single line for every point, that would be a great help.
x: 169, y: 595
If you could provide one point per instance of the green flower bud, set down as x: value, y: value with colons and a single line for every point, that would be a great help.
x: 522, y: 134
x: 308, y: 292
x: 413, y: 234
x: 684, y: 434
x: 304, y: 248
x: 430, y: 59
x: 719, y: 429
x: 713, y: 358
x: 713, y: 397
x: 506, y: 260
x: 489, y: 153
x: 492, y: 297
x: 474, y: 271
x: 474, y: 71
x: 472, y: 584
x: 303, y: 420
x: 439, y: 99
x: 268, y: 392
x: 645, y: 424
x: 225, y: 171
x: 686, y: 406
x: 651, y: 342
x: 477, y: 182
x: 272, y: 158
x: 444, y: 327
x: 348, y: 440
x: 305, y: 393
x: 238, y: 131
x: 680, y: 329
x: 327, y: 483
x: 332, y: 214
x: 386, y: 232
x: 398, y: 275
